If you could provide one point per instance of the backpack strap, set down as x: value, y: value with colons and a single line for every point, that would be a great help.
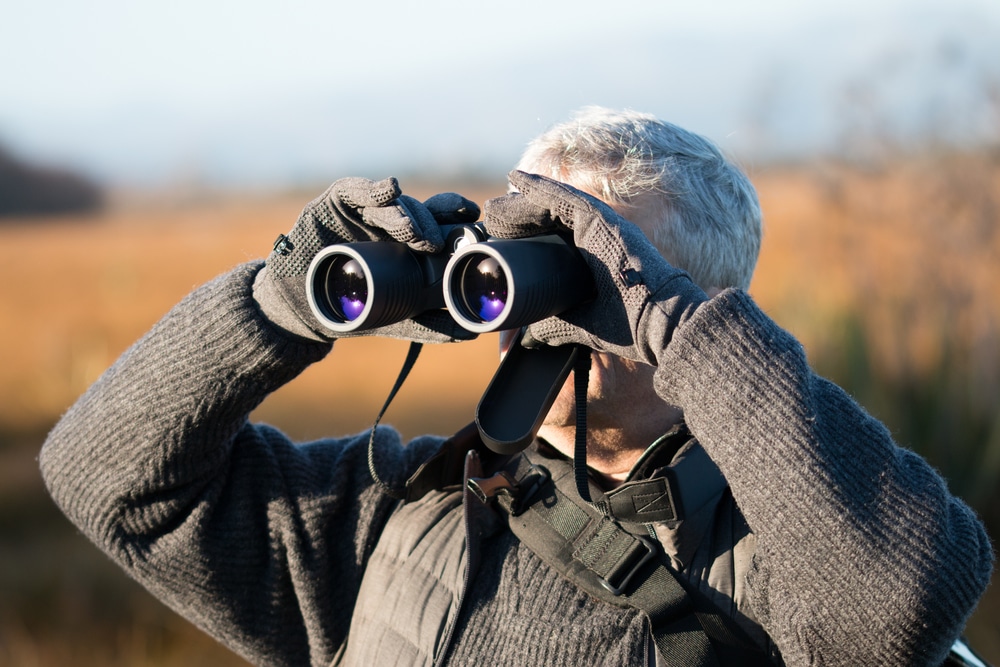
x: 615, y: 561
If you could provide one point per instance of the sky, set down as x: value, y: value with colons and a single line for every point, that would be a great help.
x: 255, y: 92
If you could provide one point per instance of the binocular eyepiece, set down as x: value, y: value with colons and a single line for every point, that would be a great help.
x: 486, y: 284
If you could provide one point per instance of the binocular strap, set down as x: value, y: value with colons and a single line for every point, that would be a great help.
x: 411, y: 359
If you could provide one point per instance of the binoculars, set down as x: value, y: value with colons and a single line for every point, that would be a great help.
x: 486, y: 284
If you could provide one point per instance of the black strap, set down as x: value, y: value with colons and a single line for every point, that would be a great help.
x: 581, y: 382
x: 411, y: 358
x: 618, y: 563
x: 445, y: 468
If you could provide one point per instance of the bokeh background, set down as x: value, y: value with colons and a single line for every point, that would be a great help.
x: 146, y: 147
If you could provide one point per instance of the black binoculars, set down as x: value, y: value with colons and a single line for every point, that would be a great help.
x: 486, y: 284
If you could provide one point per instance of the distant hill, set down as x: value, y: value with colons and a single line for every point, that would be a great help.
x: 27, y: 189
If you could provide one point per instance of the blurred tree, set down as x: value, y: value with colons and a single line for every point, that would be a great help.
x: 33, y: 190
x: 919, y: 219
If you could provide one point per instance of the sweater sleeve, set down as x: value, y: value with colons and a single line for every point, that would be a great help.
x: 258, y: 541
x: 863, y: 557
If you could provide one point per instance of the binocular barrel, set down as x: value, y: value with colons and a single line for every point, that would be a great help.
x: 362, y: 286
x: 507, y: 284
x: 485, y: 285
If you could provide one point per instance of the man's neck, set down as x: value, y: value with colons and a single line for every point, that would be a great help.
x: 611, y: 451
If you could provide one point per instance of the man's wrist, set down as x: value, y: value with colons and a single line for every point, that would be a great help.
x: 277, y: 310
x: 673, y: 304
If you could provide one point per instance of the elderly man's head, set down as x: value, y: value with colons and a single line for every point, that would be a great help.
x: 696, y: 207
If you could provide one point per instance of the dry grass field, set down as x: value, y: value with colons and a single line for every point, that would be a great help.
x: 888, y: 276
x: 78, y: 292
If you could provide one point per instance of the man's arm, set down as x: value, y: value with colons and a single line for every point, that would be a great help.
x: 260, y: 542
x: 257, y: 541
x: 863, y: 555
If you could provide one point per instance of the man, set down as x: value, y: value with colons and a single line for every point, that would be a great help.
x: 801, y: 524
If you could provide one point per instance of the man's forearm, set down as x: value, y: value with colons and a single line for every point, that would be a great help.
x: 169, y: 407
x: 850, y: 528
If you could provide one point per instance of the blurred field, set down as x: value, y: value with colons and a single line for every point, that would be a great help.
x: 79, y: 291
x: 887, y: 275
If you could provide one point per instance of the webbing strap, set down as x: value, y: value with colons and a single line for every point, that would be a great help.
x: 609, y: 562
x: 617, y: 563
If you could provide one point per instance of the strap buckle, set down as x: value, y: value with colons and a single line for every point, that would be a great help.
x: 616, y: 581
x: 514, y: 494
x: 488, y: 488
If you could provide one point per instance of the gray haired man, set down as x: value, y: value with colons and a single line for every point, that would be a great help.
x: 803, y: 528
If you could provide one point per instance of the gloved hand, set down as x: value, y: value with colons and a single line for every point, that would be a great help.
x: 358, y: 209
x: 641, y: 299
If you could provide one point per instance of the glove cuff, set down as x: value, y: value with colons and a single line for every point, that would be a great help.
x: 275, y: 307
x: 673, y: 304
x: 721, y: 330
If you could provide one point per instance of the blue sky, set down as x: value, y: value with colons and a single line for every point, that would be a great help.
x: 278, y: 92
x: 98, y: 54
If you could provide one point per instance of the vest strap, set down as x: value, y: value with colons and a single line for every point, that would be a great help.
x: 616, y: 562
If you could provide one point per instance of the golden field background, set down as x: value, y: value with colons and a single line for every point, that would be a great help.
x: 887, y: 273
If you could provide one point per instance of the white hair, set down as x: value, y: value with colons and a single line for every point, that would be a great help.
x: 699, y: 209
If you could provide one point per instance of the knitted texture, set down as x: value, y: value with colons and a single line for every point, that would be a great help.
x: 629, y: 273
x: 862, y: 555
x: 359, y: 210
x: 356, y: 209
x: 885, y: 565
x: 227, y: 523
x: 523, y: 613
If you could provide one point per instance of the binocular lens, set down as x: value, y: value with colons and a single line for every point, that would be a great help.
x: 484, y: 288
x: 508, y: 283
x: 348, y: 288
x: 355, y: 287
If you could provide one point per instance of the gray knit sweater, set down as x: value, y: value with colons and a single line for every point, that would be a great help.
x: 862, y: 557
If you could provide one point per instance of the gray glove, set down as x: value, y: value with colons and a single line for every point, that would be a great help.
x: 358, y: 209
x: 641, y: 299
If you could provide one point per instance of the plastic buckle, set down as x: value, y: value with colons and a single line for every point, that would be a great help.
x: 488, y: 488
x: 514, y: 495
x: 530, y: 485
x: 618, y: 588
